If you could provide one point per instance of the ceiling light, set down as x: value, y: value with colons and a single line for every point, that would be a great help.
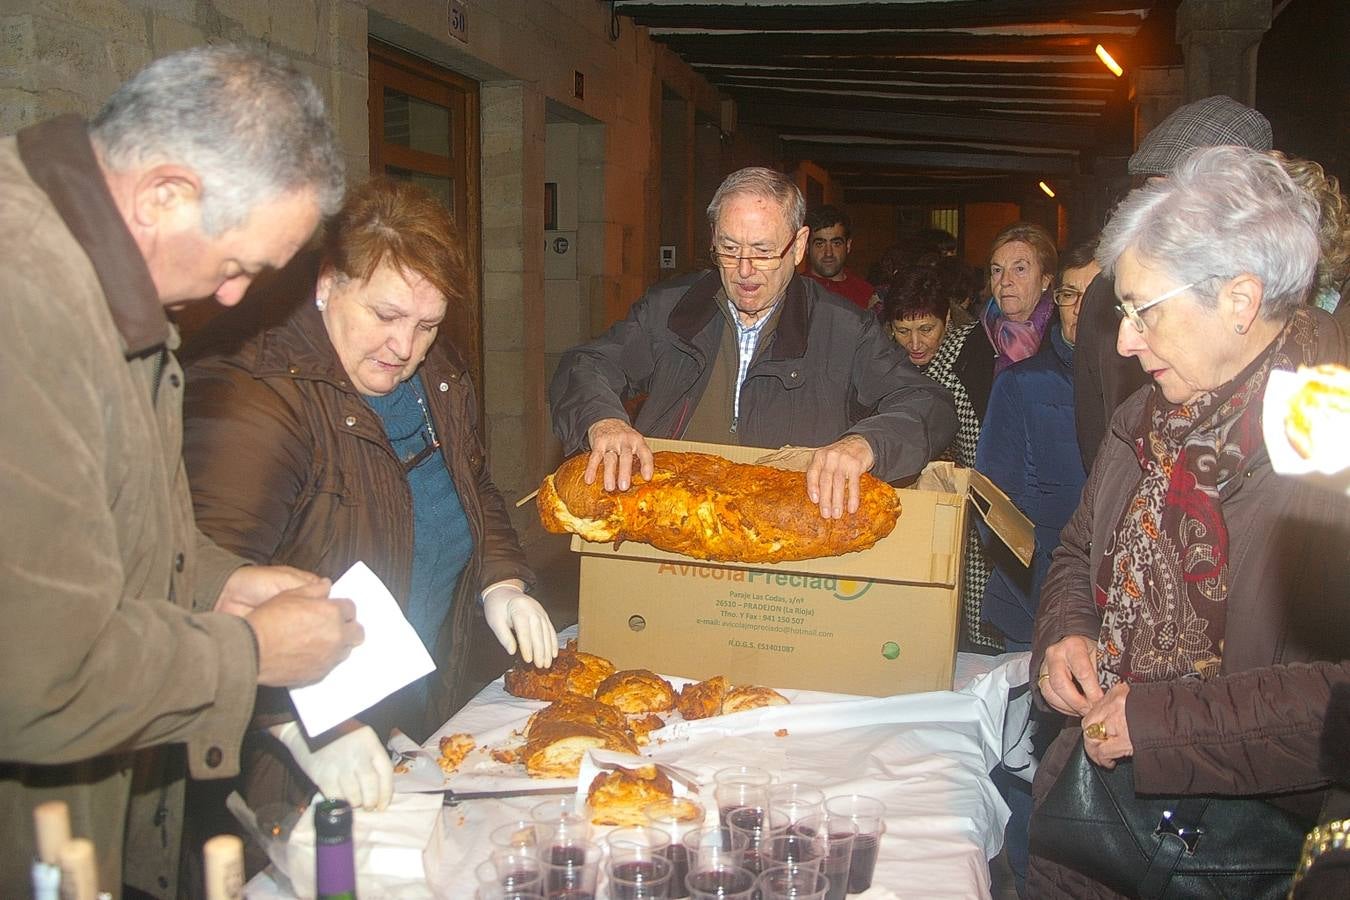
x: 1109, y: 62
x: 1049, y: 192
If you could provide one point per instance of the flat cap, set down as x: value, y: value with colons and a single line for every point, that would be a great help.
x: 1211, y: 122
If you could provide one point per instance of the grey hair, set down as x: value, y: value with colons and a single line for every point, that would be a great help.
x: 757, y: 181
x: 250, y: 124
x: 1222, y: 212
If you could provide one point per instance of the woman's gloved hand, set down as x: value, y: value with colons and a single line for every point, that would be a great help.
x: 517, y: 619
x: 354, y: 767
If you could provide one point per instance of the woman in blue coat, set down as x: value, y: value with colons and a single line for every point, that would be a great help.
x: 1029, y: 448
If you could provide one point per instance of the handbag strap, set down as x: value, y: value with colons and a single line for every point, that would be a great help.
x: 1177, y: 834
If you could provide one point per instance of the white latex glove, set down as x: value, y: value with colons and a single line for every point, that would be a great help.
x: 517, y: 618
x: 354, y: 767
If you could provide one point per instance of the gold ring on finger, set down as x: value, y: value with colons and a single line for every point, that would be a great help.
x: 1096, y: 731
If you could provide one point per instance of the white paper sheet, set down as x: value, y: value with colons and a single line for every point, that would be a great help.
x: 391, y: 656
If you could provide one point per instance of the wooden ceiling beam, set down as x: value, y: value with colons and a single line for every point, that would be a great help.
x: 1029, y: 110
x: 936, y: 195
x: 757, y: 48
x: 824, y: 154
x: 969, y: 14
x: 906, y: 124
x: 903, y: 66
x: 1002, y: 80
x: 823, y: 83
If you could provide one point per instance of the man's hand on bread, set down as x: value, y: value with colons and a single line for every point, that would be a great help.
x: 832, y: 477
x: 614, y: 446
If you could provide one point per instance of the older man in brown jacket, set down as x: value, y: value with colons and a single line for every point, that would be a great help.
x: 126, y: 633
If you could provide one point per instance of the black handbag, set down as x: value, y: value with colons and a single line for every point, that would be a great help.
x: 1164, y: 847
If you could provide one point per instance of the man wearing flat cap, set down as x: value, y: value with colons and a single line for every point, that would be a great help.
x: 1102, y: 378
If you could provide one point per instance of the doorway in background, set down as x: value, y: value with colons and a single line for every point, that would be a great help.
x: 424, y: 128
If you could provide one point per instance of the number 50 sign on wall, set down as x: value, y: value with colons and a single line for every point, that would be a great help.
x: 459, y: 21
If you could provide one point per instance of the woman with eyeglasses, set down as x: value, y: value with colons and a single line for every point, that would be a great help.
x: 1022, y: 265
x: 1194, y: 617
x: 349, y: 432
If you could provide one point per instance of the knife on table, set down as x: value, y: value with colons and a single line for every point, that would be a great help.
x: 453, y: 798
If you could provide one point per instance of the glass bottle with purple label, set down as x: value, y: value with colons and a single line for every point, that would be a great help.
x: 335, y: 859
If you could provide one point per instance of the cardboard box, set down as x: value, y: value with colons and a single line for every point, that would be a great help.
x: 882, y: 621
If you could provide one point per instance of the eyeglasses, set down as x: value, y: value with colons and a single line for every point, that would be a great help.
x: 412, y: 461
x: 1127, y: 310
x: 762, y: 263
x: 1067, y: 296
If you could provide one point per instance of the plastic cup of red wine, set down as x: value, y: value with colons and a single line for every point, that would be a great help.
x: 791, y: 883
x: 755, y: 829
x: 558, y: 820
x: 837, y: 835
x: 711, y: 845
x: 521, y: 834
x: 796, y: 799
x: 720, y: 882
x: 639, y: 877
x: 637, y: 840
x: 804, y: 851
x: 512, y: 870
x: 676, y: 818
x: 869, y: 814
x: 746, y: 774
x: 739, y: 786
x: 497, y: 892
x: 571, y: 870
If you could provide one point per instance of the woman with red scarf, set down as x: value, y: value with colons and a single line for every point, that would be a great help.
x: 1194, y: 618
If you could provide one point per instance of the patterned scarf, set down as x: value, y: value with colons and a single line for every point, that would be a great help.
x: 1162, y: 586
x: 962, y: 451
x: 1015, y: 341
x: 939, y: 369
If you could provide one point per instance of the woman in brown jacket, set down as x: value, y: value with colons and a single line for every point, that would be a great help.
x: 349, y: 433
x: 1194, y: 615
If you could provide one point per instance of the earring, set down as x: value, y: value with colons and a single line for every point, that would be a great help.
x: 1240, y: 329
x: 320, y: 304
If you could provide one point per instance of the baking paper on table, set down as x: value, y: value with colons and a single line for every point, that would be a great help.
x: 389, y: 847
x: 926, y: 756
x: 1330, y: 469
x: 496, y: 721
x: 391, y: 656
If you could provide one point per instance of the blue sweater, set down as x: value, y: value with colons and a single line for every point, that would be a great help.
x: 1029, y: 448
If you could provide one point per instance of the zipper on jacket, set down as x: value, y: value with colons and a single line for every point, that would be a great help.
x: 156, y: 374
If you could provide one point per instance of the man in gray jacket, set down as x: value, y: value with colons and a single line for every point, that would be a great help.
x: 132, y: 646
x: 752, y: 354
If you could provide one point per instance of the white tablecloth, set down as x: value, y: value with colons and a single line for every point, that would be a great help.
x: 926, y: 755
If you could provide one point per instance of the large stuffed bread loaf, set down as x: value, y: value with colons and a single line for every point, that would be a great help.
x: 707, y: 507
x: 1319, y: 414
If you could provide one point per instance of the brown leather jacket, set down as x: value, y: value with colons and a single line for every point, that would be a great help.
x: 289, y: 465
x: 1254, y: 729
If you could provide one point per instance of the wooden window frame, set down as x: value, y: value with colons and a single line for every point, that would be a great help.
x: 417, y: 77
